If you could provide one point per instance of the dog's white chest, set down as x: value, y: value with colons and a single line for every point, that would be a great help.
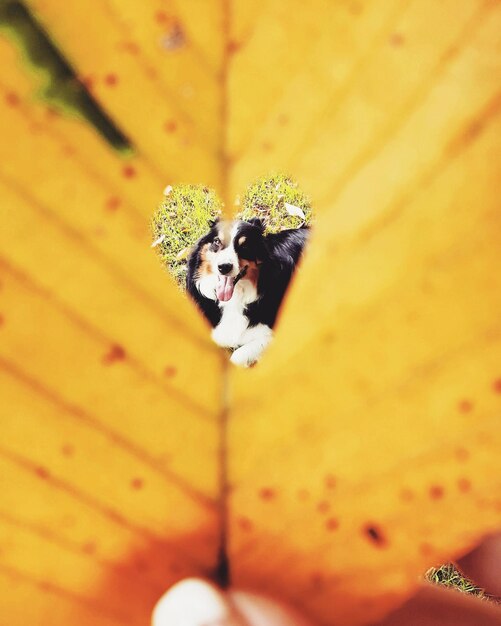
x: 229, y: 333
x: 233, y: 332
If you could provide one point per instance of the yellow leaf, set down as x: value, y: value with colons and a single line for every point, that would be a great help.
x: 366, y: 445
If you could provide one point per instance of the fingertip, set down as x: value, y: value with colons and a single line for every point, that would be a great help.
x: 191, y: 602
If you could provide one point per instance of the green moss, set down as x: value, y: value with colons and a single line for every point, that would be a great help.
x: 268, y: 198
x: 180, y: 220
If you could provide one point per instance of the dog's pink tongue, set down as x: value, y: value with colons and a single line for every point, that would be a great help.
x: 224, y: 289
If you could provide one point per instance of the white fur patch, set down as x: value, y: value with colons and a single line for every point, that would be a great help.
x: 207, y: 286
x: 230, y: 331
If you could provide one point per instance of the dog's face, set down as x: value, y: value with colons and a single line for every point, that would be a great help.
x: 230, y: 253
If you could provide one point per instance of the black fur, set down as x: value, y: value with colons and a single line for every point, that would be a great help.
x: 277, y: 255
x: 282, y: 253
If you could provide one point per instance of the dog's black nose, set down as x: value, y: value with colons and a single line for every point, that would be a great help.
x: 225, y: 268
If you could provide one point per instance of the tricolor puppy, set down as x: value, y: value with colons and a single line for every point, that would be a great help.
x: 238, y: 276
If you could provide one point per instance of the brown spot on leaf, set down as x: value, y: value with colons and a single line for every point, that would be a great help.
x: 464, y: 484
x: 137, y: 483
x: 12, y: 99
x: 267, y: 493
x: 436, y: 492
x: 397, y: 40
x: 68, y: 150
x: 89, y: 548
x: 114, y: 354
x: 42, y: 472
x: 233, y: 47
x: 465, y: 406
x: 426, y: 549
x: 474, y: 127
x: 67, y: 450
x: 496, y: 385
x: 2, y: 320
x: 267, y: 146
x: 330, y: 481
x: 111, y: 80
x: 170, y: 126
x: 115, y: 516
x: 406, y: 495
x: 375, y: 535
x: 128, y: 171
x: 131, y: 47
x: 170, y: 371
x: 331, y: 524
x: 323, y: 506
x: 462, y: 454
x: 317, y: 580
x: 161, y: 17
x: 112, y: 203
x: 245, y: 524
x: 151, y: 72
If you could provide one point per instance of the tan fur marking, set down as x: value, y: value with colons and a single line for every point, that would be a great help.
x: 242, y: 240
x: 252, y: 273
x: 205, y: 268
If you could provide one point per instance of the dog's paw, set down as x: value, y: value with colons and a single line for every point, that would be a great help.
x: 243, y: 357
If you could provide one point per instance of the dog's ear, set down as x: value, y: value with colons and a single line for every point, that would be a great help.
x: 257, y: 222
x: 212, y: 223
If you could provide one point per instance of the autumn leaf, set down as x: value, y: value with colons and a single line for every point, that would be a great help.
x: 365, y: 447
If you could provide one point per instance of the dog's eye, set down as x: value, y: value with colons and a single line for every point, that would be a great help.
x: 216, y: 244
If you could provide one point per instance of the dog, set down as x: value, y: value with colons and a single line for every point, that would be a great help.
x: 238, y: 277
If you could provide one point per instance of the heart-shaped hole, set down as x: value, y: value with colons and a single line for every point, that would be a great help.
x: 236, y: 270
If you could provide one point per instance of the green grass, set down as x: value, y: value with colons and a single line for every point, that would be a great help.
x: 268, y: 198
x: 449, y: 576
x: 180, y: 220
